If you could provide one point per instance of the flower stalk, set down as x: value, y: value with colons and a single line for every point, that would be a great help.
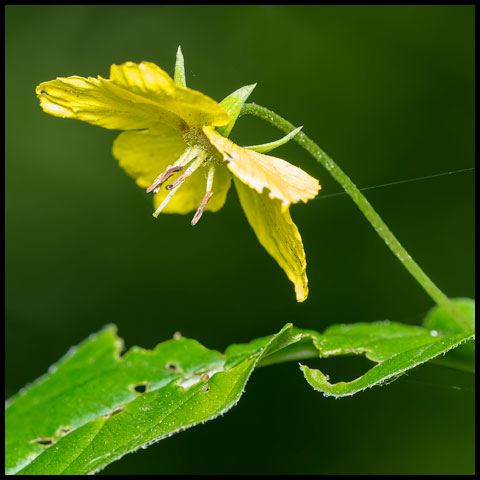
x: 365, y: 207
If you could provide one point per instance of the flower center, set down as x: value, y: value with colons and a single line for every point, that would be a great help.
x: 191, y: 159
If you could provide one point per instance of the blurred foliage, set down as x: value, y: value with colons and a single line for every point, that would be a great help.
x: 387, y: 91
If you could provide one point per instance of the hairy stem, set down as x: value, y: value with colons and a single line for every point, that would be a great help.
x: 364, y: 205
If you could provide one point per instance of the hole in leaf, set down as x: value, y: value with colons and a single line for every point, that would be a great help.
x: 62, y: 431
x: 342, y: 368
x: 141, y: 388
x: 173, y: 367
x: 116, y: 411
x: 44, y: 441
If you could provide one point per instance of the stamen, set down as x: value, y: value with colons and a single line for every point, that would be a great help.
x: 171, y: 169
x: 178, y: 180
x: 157, y: 183
x: 206, y: 198
x: 210, y: 176
x: 192, y: 167
x: 201, y: 208
x: 164, y: 203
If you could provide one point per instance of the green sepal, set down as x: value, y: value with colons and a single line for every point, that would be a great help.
x: 233, y: 105
x: 267, y: 147
x: 179, y: 76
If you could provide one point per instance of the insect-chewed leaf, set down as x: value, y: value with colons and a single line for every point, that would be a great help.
x: 94, y: 406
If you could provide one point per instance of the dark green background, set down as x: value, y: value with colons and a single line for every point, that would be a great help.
x: 387, y: 91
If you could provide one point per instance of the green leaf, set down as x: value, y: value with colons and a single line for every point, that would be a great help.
x: 268, y: 147
x: 85, y: 412
x: 94, y: 405
x: 395, y: 347
x: 233, y: 105
x: 179, y: 75
x: 438, y: 320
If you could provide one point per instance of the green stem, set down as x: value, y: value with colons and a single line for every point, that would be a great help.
x: 364, y: 205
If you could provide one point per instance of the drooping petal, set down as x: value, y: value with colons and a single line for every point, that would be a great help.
x: 137, y: 96
x: 286, y: 182
x: 190, y: 194
x: 146, y: 154
x: 276, y: 231
x: 149, y: 81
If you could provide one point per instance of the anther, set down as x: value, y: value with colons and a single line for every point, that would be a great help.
x: 157, y: 183
x: 201, y: 208
x: 179, y: 180
x: 197, y: 162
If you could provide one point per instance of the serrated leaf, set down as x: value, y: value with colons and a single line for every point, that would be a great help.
x: 85, y: 413
x: 94, y: 406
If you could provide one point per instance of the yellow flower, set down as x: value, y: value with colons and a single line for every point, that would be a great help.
x: 170, y: 135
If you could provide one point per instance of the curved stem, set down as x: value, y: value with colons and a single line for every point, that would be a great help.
x: 364, y: 205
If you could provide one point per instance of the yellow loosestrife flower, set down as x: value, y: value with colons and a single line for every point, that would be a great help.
x: 169, y: 134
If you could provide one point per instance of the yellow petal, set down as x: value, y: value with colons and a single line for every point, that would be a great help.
x: 276, y: 231
x: 148, y: 80
x: 286, y: 182
x: 138, y: 96
x: 101, y: 102
x: 188, y: 197
x: 146, y: 154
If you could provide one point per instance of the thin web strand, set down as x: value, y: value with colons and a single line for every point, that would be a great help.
x: 320, y: 197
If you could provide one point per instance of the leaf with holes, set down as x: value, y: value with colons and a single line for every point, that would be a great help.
x: 94, y: 405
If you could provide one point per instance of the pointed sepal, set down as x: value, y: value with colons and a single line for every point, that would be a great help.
x: 267, y: 147
x: 233, y: 105
x: 179, y: 75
